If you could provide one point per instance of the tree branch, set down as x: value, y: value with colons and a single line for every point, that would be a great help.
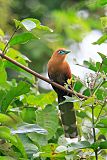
x: 41, y: 77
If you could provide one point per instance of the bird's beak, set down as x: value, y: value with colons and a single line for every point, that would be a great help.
x: 67, y: 51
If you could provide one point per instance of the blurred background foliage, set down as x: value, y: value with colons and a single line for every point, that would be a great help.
x: 71, y: 21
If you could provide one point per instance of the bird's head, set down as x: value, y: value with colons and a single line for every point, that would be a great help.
x: 60, y: 54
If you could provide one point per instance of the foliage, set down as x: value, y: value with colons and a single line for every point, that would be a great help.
x: 29, y: 123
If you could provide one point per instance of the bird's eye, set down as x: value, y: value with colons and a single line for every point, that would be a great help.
x: 61, y: 52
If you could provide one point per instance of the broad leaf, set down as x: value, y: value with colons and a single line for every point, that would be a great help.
x: 103, y: 145
x: 102, y: 123
x: 7, y: 120
x: 28, y: 128
x: 48, y: 119
x: 89, y: 102
x: 30, y: 148
x: 21, y: 38
x: 39, y: 139
x: 30, y: 23
x: 78, y: 145
x: 22, y: 88
x: 42, y: 99
x: 6, y: 134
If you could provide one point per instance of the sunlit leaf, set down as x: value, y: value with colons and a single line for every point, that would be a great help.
x: 89, y: 101
x: 61, y: 149
x: 6, y: 134
x: 70, y: 99
x: 44, y: 28
x: 1, y: 32
x: 101, y: 40
x: 6, y: 158
x: 17, y: 23
x: 28, y: 128
x: 42, y: 99
x: 7, y: 120
x: 104, y: 23
x: 30, y: 23
x: 78, y: 145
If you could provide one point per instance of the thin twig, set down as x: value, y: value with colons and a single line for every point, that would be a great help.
x: 4, y: 50
x: 42, y: 77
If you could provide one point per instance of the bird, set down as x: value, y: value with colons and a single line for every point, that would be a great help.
x: 59, y: 71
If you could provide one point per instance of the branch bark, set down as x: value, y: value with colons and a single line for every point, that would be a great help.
x: 41, y: 77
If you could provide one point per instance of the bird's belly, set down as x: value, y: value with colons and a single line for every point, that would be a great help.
x: 58, y: 78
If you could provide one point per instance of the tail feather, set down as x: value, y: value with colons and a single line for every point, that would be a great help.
x: 68, y: 118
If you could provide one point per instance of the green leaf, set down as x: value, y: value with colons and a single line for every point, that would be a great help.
x: 103, y: 145
x: 30, y: 23
x: 1, y: 32
x: 102, y: 55
x: 44, y: 28
x: 28, y: 128
x: 100, y: 94
x: 30, y: 148
x: 78, y: 85
x: 89, y: 101
x: 17, y: 23
x: 21, y: 38
x: 104, y: 22
x: 6, y: 158
x: 86, y: 92
x: 42, y: 99
x: 78, y: 145
x: 90, y: 65
x: 102, y: 123
x: 39, y: 139
x: 48, y: 119
x: 3, y: 74
x: 6, y: 134
x: 101, y: 40
x: 70, y: 99
x: 22, y: 88
x: 28, y: 115
x: 48, y: 150
x: 17, y: 56
x: 7, y: 120
x: 61, y: 149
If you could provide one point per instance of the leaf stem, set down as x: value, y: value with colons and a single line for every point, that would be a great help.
x: 94, y: 134
x: 5, y: 48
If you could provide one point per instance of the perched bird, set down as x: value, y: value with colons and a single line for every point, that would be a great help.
x: 59, y: 72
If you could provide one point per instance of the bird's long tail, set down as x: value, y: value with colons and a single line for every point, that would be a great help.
x: 68, y: 117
